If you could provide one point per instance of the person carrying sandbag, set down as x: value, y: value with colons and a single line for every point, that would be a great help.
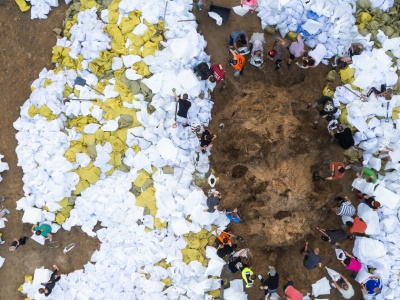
x: 237, y: 62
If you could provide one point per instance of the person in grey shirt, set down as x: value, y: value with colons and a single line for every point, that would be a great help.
x: 213, y: 203
x: 238, y: 36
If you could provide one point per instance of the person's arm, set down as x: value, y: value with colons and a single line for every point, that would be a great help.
x: 345, y: 280
x: 247, y: 43
x: 176, y: 97
x: 320, y: 265
x: 364, y: 289
x: 305, y: 248
x: 33, y: 228
x: 233, y: 53
x: 362, y: 172
x: 332, y: 133
x: 49, y: 236
x: 282, y: 41
x: 337, y: 286
x: 374, y: 276
x: 241, y: 3
x: 347, y: 199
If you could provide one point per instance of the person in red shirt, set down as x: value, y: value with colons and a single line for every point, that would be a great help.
x: 237, y: 62
x: 290, y: 292
x: 357, y: 226
x: 218, y: 74
x: 337, y: 171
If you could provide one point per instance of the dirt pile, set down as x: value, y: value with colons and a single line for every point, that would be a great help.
x: 263, y: 159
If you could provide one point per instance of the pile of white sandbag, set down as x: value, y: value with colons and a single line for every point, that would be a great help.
x: 3, y: 166
x: 329, y: 22
x: 126, y: 263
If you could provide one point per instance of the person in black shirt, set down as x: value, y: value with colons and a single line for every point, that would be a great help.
x: 184, y: 105
x: 202, y: 71
x: 344, y: 136
x: 49, y: 285
x: 225, y: 249
x: 16, y: 243
x: 206, y: 139
x: 235, y: 264
x: 271, y: 284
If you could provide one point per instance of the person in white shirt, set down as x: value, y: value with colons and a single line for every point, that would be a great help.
x: 344, y: 287
x: 314, y: 57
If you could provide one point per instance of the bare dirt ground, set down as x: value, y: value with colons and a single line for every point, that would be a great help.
x: 25, y: 50
x: 264, y: 157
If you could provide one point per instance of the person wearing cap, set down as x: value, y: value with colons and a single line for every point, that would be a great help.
x: 16, y: 243
x: 271, y: 284
x: 206, y: 138
x: 296, y: 49
x: 311, y: 258
x: 184, y: 106
x: 248, y: 277
x: 326, y: 108
x: 43, y: 230
x: 290, y: 292
x: 237, y: 62
x: 49, y: 285
x: 238, y: 36
x: 344, y: 287
x: 277, y: 55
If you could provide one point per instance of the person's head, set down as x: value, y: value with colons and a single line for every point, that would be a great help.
x: 211, y: 79
x: 225, y: 240
x: 220, y: 208
x: 310, y: 61
x: 41, y: 291
x: 316, y: 251
x: 376, y: 204
x: 345, y: 286
x: 349, y: 224
x: 305, y: 54
x: 252, y: 277
x: 325, y: 238
x: 242, y: 38
x: 370, y: 179
x: 357, y: 49
x: 377, y: 291
x: 12, y: 248
x: 340, y: 128
x: 209, y: 137
x: 185, y: 96
x: 272, y: 271
x: 339, y: 199
x: 388, y: 96
x: 347, y: 260
x: 341, y: 170
x: 38, y: 232
x: 234, y: 215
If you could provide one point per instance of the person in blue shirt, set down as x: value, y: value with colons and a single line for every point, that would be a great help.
x: 233, y: 215
x: 373, y: 286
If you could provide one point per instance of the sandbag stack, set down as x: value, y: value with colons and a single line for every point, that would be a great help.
x: 115, y: 157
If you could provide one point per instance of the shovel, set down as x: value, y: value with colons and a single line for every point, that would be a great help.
x: 82, y: 82
x: 362, y: 97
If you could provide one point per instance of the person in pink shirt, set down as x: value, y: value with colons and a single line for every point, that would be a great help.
x: 253, y: 4
x: 351, y: 263
x: 290, y: 292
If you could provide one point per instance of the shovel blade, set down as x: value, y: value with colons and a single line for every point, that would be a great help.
x: 80, y: 81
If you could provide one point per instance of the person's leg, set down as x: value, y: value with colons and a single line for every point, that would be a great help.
x: 3, y: 212
x: 383, y: 88
x: 291, y: 57
x: 355, y: 168
x: 230, y: 42
x: 373, y: 89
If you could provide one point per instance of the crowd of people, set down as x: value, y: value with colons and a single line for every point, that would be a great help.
x: 240, y: 260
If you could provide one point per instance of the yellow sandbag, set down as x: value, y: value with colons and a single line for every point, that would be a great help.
x: 141, y: 68
x: 23, y: 6
x: 148, y: 199
x: 395, y: 113
x: 33, y: 111
x: 127, y: 24
x: 20, y: 289
x: 81, y: 186
x: 191, y: 255
x: 292, y: 35
x: 123, y: 133
x: 149, y: 48
x: 142, y: 177
x: 89, y: 173
x: 159, y: 224
x: 113, y: 17
x: 167, y: 281
x: 215, y: 293
x: 87, y: 4
x: 361, y: 26
x: 87, y: 139
x: 347, y: 74
x: 28, y: 278
x: 328, y: 92
x: 46, y: 82
x: 60, y: 218
x: 63, y: 202
x: 365, y: 17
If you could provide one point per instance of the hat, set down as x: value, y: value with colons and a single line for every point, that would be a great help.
x: 12, y: 248
x: 272, y: 53
x: 272, y: 271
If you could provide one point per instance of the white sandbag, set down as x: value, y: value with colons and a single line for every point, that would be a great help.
x: 32, y: 215
x: 38, y: 238
x: 370, y: 217
x: 321, y: 287
x: 2, y: 259
x: 217, y: 17
x: 312, y: 26
x: 386, y: 197
x: 334, y: 275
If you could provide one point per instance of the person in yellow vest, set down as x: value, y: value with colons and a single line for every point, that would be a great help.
x: 248, y: 277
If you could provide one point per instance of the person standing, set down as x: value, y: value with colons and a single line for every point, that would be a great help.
x: 206, y: 138
x: 337, y: 171
x: 218, y: 74
x: 344, y: 287
x: 184, y: 106
x: 313, y: 58
x: 43, y: 230
x: 277, y: 55
x: 213, y: 203
x: 238, y: 36
x: 344, y: 136
x: 271, y: 284
x: 248, y: 277
x: 311, y: 258
x: 49, y: 285
x: 296, y: 49
x: 237, y: 62
x: 358, y: 225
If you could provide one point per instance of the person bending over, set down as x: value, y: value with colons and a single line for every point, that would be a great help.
x: 49, y: 285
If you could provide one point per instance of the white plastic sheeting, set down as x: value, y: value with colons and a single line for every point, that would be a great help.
x: 3, y: 166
